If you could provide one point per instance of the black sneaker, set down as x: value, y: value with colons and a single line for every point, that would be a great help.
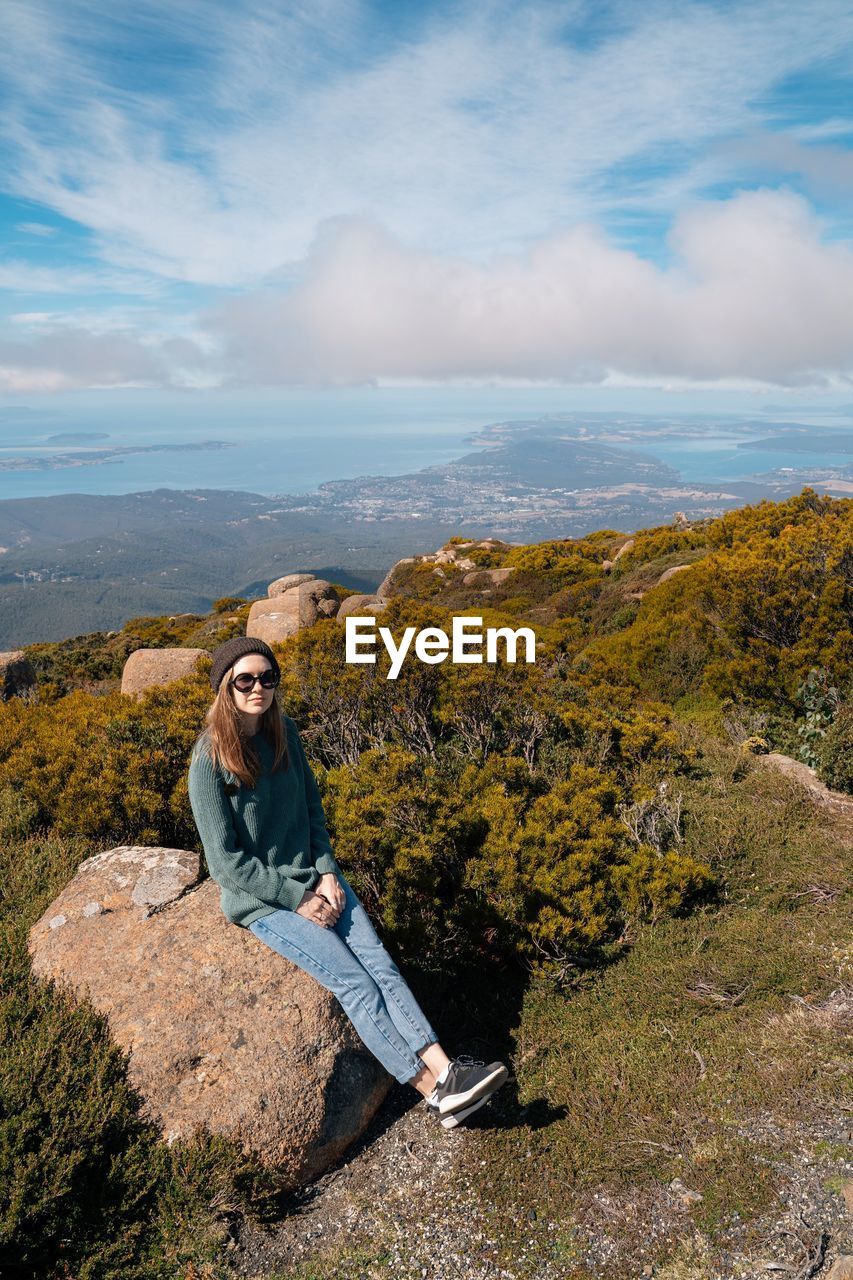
x: 468, y: 1081
x: 453, y: 1118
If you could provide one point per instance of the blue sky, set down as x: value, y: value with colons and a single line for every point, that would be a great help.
x: 256, y: 195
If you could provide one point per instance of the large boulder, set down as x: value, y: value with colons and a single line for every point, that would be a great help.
x: 670, y: 573
x: 384, y: 590
x: 807, y: 778
x: 298, y: 606
x: 221, y: 1030
x: 275, y: 619
x: 366, y: 606
x: 148, y: 667
x: 487, y: 577
x: 289, y: 580
x: 17, y: 675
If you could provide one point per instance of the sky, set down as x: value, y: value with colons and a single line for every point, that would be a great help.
x: 247, y: 195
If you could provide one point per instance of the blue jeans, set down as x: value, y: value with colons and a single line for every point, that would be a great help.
x: 350, y: 961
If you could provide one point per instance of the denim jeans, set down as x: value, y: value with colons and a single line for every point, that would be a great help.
x: 350, y: 961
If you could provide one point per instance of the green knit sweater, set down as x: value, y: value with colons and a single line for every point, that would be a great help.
x: 264, y: 846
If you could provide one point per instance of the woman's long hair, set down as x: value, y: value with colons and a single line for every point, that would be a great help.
x: 227, y: 746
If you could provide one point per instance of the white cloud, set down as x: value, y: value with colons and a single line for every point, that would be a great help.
x: 827, y: 169
x: 428, y: 207
x: 754, y: 294
x: 40, y: 229
x: 20, y: 276
x: 482, y: 135
x: 65, y: 358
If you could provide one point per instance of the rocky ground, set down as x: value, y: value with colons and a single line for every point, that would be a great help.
x: 413, y: 1201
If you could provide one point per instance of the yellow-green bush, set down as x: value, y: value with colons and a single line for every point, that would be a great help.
x: 95, y: 661
x: 651, y: 884
x: 663, y: 540
x: 458, y: 748
x: 496, y: 859
x: 106, y: 767
x: 561, y: 563
x: 772, y: 599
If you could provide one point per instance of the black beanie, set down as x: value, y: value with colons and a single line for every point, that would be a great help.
x: 229, y: 652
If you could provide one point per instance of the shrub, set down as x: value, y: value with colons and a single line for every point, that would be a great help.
x: 401, y: 835
x: 770, y: 601
x: 67, y: 664
x: 820, y: 701
x: 562, y: 563
x: 228, y: 604
x: 493, y: 858
x: 108, y: 768
x: 554, y: 874
x: 651, y: 885
x: 652, y: 544
x: 835, y: 752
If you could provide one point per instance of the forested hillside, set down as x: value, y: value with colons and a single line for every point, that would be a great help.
x: 561, y: 835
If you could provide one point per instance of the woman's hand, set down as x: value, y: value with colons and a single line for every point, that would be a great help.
x: 330, y: 888
x: 317, y: 909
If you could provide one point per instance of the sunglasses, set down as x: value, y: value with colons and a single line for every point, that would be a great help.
x: 245, y: 682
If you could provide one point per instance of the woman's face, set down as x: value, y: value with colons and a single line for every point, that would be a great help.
x: 255, y: 701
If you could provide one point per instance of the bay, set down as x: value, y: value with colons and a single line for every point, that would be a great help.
x: 285, y: 445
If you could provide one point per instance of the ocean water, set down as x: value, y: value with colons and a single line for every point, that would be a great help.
x: 292, y: 444
x: 272, y: 464
x: 717, y: 458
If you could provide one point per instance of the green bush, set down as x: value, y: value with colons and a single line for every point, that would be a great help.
x: 229, y: 604
x: 768, y: 601
x: 835, y: 752
x: 109, y: 768
x: 88, y: 1188
x: 494, y: 860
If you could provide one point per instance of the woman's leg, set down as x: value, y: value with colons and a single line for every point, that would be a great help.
x: 326, y: 956
x: 353, y: 926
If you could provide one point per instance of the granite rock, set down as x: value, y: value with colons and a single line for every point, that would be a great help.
x: 220, y: 1030
x: 147, y: 668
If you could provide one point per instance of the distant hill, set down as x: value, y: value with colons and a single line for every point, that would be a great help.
x: 83, y: 562
x: 77, y: 437
x: 80, y: 563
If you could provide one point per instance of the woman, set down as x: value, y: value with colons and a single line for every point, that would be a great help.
x: 260, y: 817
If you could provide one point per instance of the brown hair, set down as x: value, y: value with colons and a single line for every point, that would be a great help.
x: 227, y: 746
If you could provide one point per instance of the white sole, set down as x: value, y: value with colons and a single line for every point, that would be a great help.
x: 483, y: 1087
x: 453, y: 1118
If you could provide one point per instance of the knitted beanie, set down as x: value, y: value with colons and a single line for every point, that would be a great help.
x: 229, y: 652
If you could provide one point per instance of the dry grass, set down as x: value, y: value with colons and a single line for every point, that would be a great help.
x: 652, y: 1069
